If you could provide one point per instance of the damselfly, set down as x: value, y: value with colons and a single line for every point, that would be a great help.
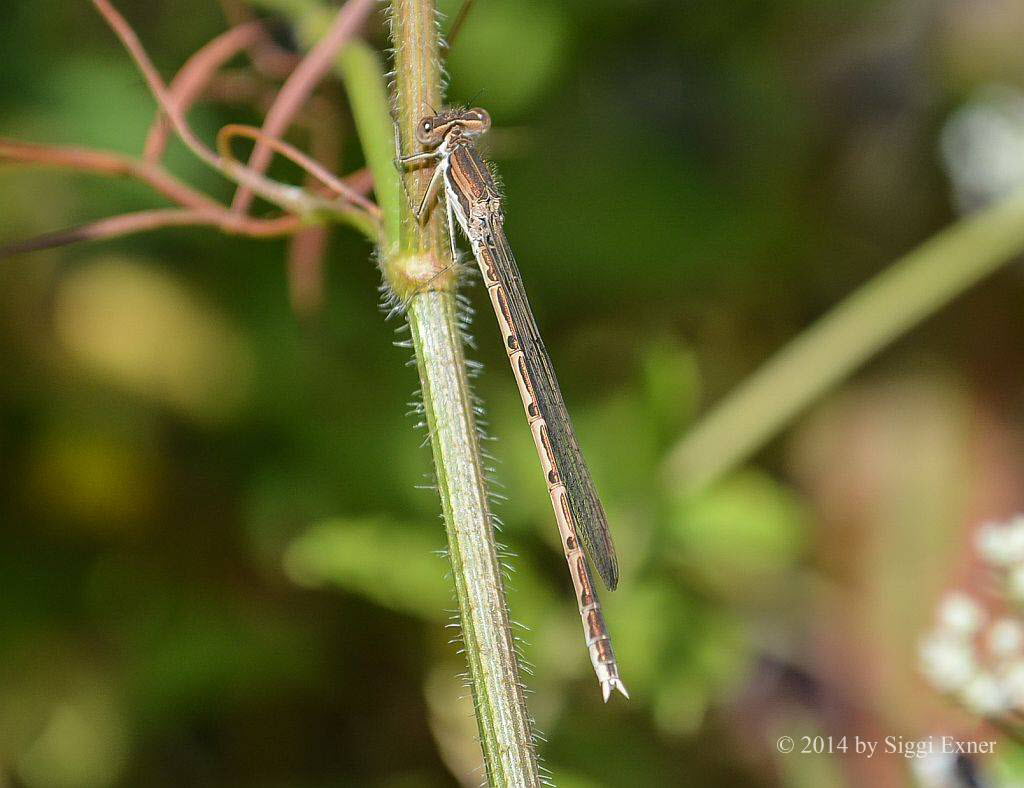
x: 473, y: 199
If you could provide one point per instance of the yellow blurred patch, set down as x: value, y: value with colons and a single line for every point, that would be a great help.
x: 93, y: 480
x: 83, y: 743
x: 142, y: 330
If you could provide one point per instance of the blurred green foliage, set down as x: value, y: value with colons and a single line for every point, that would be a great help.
x: 217, y: 566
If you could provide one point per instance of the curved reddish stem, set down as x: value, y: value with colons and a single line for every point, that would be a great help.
x: 300, y: 84
x: 289, y: 151
x: 269, y: 59
x: 108, y: 164
x: 143, y: 221
x: 194, y: 76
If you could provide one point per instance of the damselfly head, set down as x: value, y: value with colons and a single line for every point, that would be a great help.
x: 433, y: 129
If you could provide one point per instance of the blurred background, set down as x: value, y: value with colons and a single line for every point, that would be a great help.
x: 217, y: 564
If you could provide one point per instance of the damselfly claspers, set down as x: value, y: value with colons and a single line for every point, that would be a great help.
x: 473, y: 199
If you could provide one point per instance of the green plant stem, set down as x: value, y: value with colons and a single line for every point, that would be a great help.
x: 421, y: 273
x: 894, y: 301
x: 363, y: 74
x: 505, y: 728
x: 359, y: 67
x: 418, y: 269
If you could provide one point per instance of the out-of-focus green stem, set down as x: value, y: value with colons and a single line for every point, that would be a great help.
x: 421, y: 273
x: 360, y: 68
x: 310, y: 18
x: 883, y: 309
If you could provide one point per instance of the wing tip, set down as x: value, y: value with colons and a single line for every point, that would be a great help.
x: 610, y: 573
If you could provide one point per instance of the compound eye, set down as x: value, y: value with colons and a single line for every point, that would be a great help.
x: 425, y: 131
x: 481, y: 117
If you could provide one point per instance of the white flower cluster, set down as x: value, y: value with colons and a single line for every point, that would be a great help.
x: 982, y: 146
x: 1002, y: 546
x: 977, y: 659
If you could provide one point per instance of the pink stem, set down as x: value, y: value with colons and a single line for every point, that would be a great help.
x: 193, y: 77
x: 300, y: 84
x: 143, y: 221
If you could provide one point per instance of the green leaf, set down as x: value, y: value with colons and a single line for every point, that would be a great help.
x: 394, y: 565
x: 742, y: 535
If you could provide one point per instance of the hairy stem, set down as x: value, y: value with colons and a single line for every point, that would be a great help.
x: 420, y: 273
x: 889, y: 305
x: 418, y: 270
